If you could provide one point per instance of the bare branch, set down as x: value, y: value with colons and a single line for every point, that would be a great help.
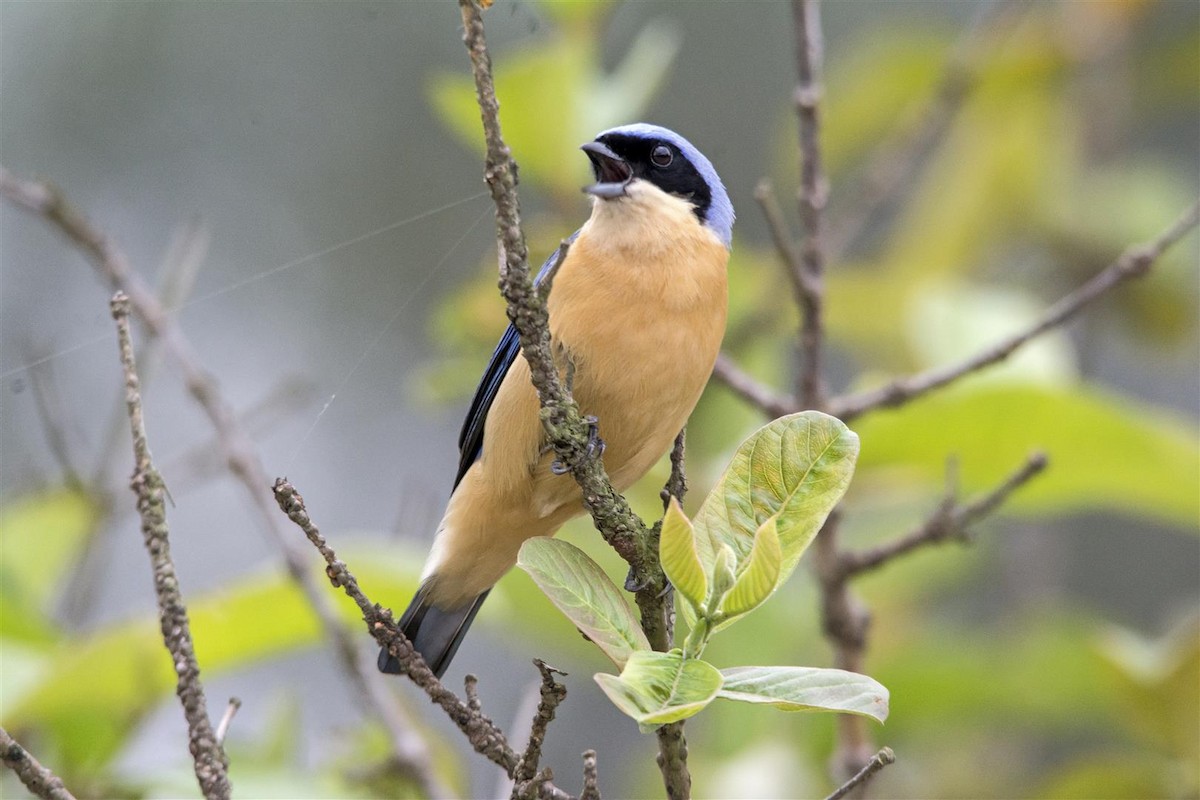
x: 677, y: 484
x: 227, y: 719
x: 750, y: 390
x: 242, y: 458
x: 814, y: 192
x: 48, y: 403
x: 591, y: 788
x: 803, y: 287
x: 37, y: 779
x: 525, y: 783
x: 483, y: 734
x: 951, y: 520
x: 211, y: 764
x: 877, y: 762
x: 1135, y: 262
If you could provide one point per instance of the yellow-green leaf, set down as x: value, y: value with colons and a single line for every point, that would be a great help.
x: 659, y: 688
x: 41, y: 535
x: 679, y: 552
x: 807, y: 689
x: 760, y: 573
x: 1105, y: 451
x: 585, y: 594
x: 795, y: 468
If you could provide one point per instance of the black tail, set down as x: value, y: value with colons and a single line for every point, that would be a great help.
x: 434, y: 632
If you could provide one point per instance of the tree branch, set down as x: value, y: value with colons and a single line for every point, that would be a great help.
x: 591, y: 788
x: 525, y: 783
x: 227, y: 719
x: 749, y: 389
x: 373, y: 694
x: 951, y: 520
x: 211, y: 764
x: 814, y: 192
x: 1135, y: 262
x: 874, y: 765
x: 483, y: 734
x: 565, y: 427
x: 37, y: 779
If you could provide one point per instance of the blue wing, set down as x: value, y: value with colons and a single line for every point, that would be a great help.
x: 470, y: 438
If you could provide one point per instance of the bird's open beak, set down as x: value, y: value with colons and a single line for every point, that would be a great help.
x: 612, y: 172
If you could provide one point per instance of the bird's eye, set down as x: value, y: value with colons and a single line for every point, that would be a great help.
x: 661, y: 156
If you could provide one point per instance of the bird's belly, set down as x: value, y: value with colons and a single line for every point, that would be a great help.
x: 641, y: 388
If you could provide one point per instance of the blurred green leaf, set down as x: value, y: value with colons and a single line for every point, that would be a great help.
x: 1105, y: 451
x: 795, y: 469
x: 807, y: 689
x: 585, y: 594
x: 41, y: 535
x: 949, y: 321
x: 92, y: 690
x: 566, y: 75
x: 1158, y: 685
x: 679, y: 553
x: 572, y: 12
x: 1113, y: 776
x: 760, y: 573
x: 659, y: 688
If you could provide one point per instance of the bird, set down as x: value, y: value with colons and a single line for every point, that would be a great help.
x: 638, y: 306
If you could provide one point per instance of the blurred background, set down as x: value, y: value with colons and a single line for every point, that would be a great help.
x: 303, y: 183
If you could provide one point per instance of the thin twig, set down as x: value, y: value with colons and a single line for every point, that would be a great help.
x: 890, y: 168
x: 1135, y: 262
x: 844, y: 620
x: 951, y: 520
x: 373, y: 694
x: 792, y: 259
x: 48, y: 402
x: 749, y: 389
x: 814, y: 192
x: 38, y: 780
x: 591, y: 786
x: 677, y: 484
x: 525, y: 785
x: 227, y: 719
x: 874, y: 765
x: 211, y: 764
x: 483, y: 734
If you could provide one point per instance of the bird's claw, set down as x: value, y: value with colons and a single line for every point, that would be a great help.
x: 631, y: 582
x: 595, y: 445
x: 592, y: 450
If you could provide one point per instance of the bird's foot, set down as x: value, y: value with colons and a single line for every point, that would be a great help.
x: 632, y: 584
x: 593, y: 449
x: 595, y: 445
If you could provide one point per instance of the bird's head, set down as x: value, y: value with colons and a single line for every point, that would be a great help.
x: 624, y: 157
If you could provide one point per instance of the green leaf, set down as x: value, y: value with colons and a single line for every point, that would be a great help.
x: 1106, y: 452
x: 678, y: 551
x: 92, y: 690
x: 658, y: 688
x: 951, y: 320
x: 807, y: 689
x: 41, y: 536
x: 566, y: 74
x: 584, y: 593
x: 760, y: 574
x: 794, y: 469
